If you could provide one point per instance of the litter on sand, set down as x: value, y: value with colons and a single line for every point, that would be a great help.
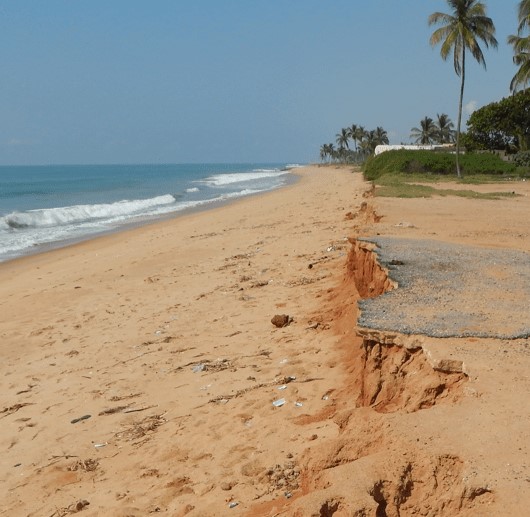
x: 278, y: 403
x: 81, y: 418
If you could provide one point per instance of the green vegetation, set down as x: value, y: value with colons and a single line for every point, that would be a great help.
x: 501, y: 125
x: 364, y: 142
x: 498, y: 126
x: 458, y: 31
x: 403, y: 186
x: 435, y: 163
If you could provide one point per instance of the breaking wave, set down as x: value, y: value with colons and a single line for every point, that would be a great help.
x: 50, y: 217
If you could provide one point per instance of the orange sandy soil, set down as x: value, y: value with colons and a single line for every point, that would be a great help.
x: 163, y: 336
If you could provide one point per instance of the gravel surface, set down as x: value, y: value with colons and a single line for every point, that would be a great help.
x: 450, y: 290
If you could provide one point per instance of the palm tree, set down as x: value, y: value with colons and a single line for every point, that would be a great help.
x: 326, y: 152
x: 331, y: 151
x: 360, y: 134
x: 445, y: 133
x: 342, y: 139
x: 426, y: 133
x: 352, y: 131
x: 459, y: 31
x: 369, y: 142
x: 381, y: 136
x: 323, y: 152
x: 521, y: 48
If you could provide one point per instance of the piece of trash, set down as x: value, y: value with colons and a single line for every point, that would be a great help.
x: 84, y: 417
x: 289, y: 379
x: 330, y: 248
x: 298, y: 404
x: 325, y: 397
x: 100, y: 445
x: 199, y: 368
x: 288, y: 495
x: 278, y: 403
x: 136, y: 409
x: 282, y: 387
x: 158, y: 332
x: 283, y: 361
x: 404, y: 224
x: 233, y: 504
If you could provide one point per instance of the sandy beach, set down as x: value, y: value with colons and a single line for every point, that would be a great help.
x: 141, y: 372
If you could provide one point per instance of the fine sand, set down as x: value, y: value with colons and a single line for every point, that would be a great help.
x: 140, y: 369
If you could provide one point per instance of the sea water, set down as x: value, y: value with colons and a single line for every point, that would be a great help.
x: 51, y: 205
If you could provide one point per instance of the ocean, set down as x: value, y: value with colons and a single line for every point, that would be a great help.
x: 43, y: 206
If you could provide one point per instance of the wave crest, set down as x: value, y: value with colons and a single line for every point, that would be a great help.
x: 49, y: 217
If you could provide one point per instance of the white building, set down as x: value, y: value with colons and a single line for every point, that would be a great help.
x: 438, y: 147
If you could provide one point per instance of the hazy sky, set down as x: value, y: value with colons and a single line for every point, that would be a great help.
x: 178, y: 81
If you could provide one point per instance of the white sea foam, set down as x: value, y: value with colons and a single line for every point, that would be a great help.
x: 220, y: 180
x: 52, y: 217
x: 21, y: 231
x: 193, y: 189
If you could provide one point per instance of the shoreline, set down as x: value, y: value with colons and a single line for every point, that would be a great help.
x: 142, y: 373
x: 292, y: 178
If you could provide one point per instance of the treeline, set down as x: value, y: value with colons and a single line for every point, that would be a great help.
x: 459, y: 33
x: 363, y: 143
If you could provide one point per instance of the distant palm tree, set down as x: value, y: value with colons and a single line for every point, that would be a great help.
x: 459, y: 31
x: 521, y: 48
x: 342, y: 139
x: 326, y: 152
x: 331, y: 151
x: 352, y: 131
x: 381, y: 136
x: 361, y: 133
x: 323, y: 152
x: 426, y: 133
x: 445, y: 133
x: 368, y: 143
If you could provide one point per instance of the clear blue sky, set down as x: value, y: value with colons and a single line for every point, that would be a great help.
x: 177, y: 81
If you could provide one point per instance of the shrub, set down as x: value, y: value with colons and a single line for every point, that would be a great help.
x: 522, y: 159
x: 439, y: 163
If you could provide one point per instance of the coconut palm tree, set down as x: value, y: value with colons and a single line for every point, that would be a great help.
x: 445, y: 133
x: 460, y: 31
x: 381, y: 136
x: 426, y: 133
x: 323, y: 152
x: 368, y: 142
x: 326, y: 152
x: 360, y: 134
x: 521, y: 48
x: 352, y: 131
x: 342, y: 139
x: 331, y: 151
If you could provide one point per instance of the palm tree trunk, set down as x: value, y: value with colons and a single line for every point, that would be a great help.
x: 458, y: 173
